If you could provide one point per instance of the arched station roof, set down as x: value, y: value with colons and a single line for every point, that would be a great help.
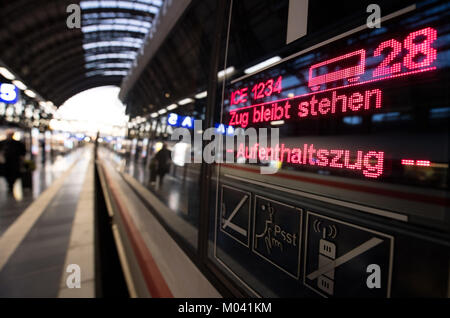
x: 58, y: 62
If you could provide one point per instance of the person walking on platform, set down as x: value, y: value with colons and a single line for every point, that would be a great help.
x: 163, y: 161
x: 13, y: 152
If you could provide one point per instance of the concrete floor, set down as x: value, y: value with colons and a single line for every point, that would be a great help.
x: 42, y: 235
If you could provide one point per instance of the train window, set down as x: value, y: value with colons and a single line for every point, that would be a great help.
x: 172, y: 90
x: 363, y: 139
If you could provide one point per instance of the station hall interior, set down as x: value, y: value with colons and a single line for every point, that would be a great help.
x: 224, y: 148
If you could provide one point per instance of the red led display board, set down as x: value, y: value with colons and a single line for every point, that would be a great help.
x: 370, y: 163
x: 323, y: 101
x: 388, y: 79
x: 349, y: 124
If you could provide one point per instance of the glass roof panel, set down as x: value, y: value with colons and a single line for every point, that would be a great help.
x: 129, y: 5
x: 115, y: 30
x: 94, y: 45
x: 108, y: 65
x: 106, y: 73
x: 109, y: 56
x: 113, y: 27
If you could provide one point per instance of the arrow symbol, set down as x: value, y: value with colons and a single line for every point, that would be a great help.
x: 227, y: 222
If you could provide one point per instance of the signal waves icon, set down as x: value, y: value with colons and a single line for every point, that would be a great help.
x: 329, y: 231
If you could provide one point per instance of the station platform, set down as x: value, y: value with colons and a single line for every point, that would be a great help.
x: 44, y: 231
x: 90, y: 211
x: 46, y: 172
x: 153, y: 263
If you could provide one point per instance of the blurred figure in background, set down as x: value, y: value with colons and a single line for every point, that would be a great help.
x: 13, y: 152
x: 163, y: 162
x: 96, y: 145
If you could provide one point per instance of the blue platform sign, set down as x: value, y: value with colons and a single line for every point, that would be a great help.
x: 224, y: 130
x: 176, y: 120
x: 9, y: 93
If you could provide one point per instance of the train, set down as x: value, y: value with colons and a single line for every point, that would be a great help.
x: 343, y: 192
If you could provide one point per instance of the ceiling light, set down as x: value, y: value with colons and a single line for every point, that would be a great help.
x: 20, y: 85
x: 185, y: 101
x: 201, y: 95
x: 30, y: 93
x: 172, y: 107
x: 162, y: 111
x: 277, y: 122
x: 263, y: 64
x: 6, y: 73
x: 225, y: 72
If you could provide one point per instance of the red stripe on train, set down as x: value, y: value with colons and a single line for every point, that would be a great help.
x: 154, y: 280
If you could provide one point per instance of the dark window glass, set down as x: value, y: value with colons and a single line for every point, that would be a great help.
x: 174, y: 85
x: 363, y: 133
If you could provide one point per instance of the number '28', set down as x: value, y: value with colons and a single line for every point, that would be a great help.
x: 417, y: 44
